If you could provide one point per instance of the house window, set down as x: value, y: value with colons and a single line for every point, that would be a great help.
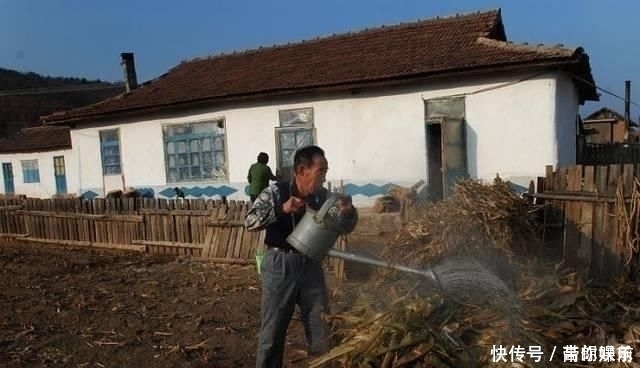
x: 30, y: 171
x: 296, y: 130
x: 110, y: 150
x: 195, y: 151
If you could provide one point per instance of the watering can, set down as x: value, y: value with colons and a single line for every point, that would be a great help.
x: 316, y: 233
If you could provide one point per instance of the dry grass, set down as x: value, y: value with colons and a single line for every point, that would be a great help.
x: 397, y: 320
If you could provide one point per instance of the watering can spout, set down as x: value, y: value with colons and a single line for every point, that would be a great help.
x: 428, y: 273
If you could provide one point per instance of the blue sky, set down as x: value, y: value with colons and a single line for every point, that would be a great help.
x: 80, y: 38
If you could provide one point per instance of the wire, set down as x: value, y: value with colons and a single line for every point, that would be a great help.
x: 602, y: 89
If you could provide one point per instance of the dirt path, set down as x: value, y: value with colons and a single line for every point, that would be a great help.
x: 80, y: 307
x: 70, y: 307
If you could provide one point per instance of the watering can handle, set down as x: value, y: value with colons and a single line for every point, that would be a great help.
x: 322, y: 212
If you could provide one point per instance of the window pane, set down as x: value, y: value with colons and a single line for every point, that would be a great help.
x: 287, y: 157
x: 207, y: 159
x: 303, y: 138
x: 195, y: 159
x: 207, y: 172
x: 173, y: 175
x: 109, y: 135
x: 220, y: 159
x: 288, y: 140
x: 206, y: 144
x: 296, y: 116
x: 199, y: 146
x: 184, y: 173
x: 218, y: 143
x: 171, y: 160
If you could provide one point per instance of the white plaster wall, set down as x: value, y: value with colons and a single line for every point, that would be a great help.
x: 511, y: 130
x: 370, y: 137
x: 567, y: 101
x: 47, y: 185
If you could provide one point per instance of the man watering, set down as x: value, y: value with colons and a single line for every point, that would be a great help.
x: 288, y: 276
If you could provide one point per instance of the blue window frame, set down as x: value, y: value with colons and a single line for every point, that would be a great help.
x: 110, y: 152
x: 195, y: 151
x: 30, y: 171
x: 7, y: 173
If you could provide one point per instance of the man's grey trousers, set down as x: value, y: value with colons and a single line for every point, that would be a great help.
x: 289, y: 279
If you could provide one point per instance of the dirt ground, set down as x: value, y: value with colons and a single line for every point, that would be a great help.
x: 78, y: 307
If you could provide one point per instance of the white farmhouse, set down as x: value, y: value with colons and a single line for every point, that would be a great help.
x: 435, y: 100
x: 34, y: 162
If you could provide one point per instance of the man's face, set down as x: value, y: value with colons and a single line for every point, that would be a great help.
x: 312, y: 177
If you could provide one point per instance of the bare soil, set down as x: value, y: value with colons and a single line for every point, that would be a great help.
x: 79, y: 307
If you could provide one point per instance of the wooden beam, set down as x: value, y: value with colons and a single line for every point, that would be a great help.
x: 224, y: 223
x: 571, y: 197
x: 11, y: 208
x: 78, y: 243
x: 168, y: 244
x: 13, y: 235
x: 168, y: 212
x: 137, y: 248
x: 75, y: 215
x: 230, y: 260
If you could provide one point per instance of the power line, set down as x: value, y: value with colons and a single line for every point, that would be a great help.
x: 602, y: 89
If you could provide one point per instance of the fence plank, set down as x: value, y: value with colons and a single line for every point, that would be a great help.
x: 240, y: 215
x: 213, y: 232
x: 572, y: 218
x: 585, y: 247
x: 223, y: 250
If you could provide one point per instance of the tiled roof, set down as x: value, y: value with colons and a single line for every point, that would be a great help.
x: 423, y: 49
x: 38, y: 139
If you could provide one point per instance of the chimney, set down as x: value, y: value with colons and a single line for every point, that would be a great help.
x: 129, y: 71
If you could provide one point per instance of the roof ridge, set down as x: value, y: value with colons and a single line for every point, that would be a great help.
x: 366, y: 30
x: 43, y: 127
x: 527, y: 47
x: 98, y: 103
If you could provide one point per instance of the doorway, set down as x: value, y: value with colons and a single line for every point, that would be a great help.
x: 434, y: 161
x: 60, y: 175
x: 446, y: 147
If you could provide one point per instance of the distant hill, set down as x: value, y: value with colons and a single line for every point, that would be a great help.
x: 24, y: 97
x: 11, y: 79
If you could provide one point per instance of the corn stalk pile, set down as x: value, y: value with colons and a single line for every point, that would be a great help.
x: 476, y: 218
x: 398, y: 320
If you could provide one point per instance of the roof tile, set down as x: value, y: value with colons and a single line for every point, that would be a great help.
x: 420, y: 49
x: 37, y: 139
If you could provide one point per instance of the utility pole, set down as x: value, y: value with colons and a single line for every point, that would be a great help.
x: 627, y: 106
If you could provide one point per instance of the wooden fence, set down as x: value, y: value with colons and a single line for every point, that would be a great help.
x: 592, y: 213
x: 607, y: 153
x: 203, y: 228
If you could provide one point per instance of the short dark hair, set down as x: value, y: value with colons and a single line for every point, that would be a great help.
x: 263, y: 158
x: 304, y: 156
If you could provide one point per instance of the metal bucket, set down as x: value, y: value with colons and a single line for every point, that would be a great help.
x: 311, y: 236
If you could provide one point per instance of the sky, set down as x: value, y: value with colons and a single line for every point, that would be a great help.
x: 84, y: 38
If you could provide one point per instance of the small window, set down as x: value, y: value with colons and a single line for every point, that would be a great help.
x: 295, y: 117
x: 195, y: 151
x: 110, y: 150
x: 30, y: 171
x: 296, y: 130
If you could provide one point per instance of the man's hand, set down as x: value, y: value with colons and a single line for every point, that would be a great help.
x: 345, y: 206
x: 293, y: 205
